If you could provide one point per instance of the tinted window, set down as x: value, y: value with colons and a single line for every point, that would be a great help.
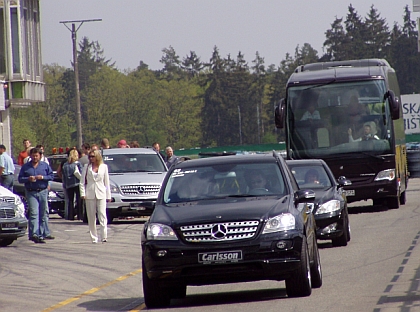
x: 220, y: 181
x: 124, y: 163
x: 311, y: 176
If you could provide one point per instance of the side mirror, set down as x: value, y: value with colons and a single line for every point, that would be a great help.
x: 342, y: 181
x: 394, y: 104
x: 279, y: 114
x: 304, y: 196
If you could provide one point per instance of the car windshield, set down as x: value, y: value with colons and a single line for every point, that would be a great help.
x: 124, y: 163
x: 221, y: 181
x: 311, y: 176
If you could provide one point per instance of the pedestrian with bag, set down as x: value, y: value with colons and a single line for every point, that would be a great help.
x: 95, y: 190
x: 72, y: 172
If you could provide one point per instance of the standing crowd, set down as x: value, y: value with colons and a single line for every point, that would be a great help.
x: 85, y: 179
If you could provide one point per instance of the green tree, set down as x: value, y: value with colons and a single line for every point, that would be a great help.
x: 336, y: 42
x: 377, y: 36
x: 404, y: 56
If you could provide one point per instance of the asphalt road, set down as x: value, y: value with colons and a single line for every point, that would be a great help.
x: 378, y: 271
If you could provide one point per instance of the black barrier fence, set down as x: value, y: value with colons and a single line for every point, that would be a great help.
x: 413, y: 162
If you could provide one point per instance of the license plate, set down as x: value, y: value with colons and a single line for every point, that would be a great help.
x: 9, y: 226
x: 349, y: 192
x: 137, y: 206
x: 220, y: 257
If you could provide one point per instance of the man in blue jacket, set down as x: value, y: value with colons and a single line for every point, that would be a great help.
x: 35, y: 174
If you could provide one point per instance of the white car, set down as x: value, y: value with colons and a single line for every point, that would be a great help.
x: 13, y: 223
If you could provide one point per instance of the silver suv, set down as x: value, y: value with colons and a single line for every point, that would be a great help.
x: 136, y: 175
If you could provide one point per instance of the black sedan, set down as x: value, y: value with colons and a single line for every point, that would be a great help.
x: 226, y: 220
x: 330, y: 206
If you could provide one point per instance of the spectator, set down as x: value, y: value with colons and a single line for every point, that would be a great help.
x: 25, y: 153
x: 156, y: 148
x: 7, y: 169
x: 134, y: 144
x: 35, y: 174
x: 41, y: 150
x: 84, y: 160
x: 122, y: 144
x: 71, y: 180
x: 94, y: 147
x: 170, y: 157
x: 95, y: 189
x: 105, y: 143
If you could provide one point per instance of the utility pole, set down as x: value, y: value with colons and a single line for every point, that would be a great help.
x: 73, y: 31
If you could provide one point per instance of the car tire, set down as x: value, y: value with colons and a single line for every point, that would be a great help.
x: 179, y: 292
x: 342, y: 240
x: 393, y: 202
x: 154, y: 295
x: 6, y: 242
x: 316, y: 270
x: 299, y: 284
x: 348, y: 230
x: 109, y: 216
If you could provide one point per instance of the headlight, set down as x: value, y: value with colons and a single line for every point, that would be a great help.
x: 52, y: 194
x: 114, y: 189
x: 329, y: 206
x: 20, y: 211
x: 386, y: 175
x: 157, y: 231
x: 279, y: 223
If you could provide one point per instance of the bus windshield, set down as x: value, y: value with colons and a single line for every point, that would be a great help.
x: 336, y: 118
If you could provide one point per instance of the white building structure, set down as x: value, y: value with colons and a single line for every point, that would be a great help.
x: 20, y: 60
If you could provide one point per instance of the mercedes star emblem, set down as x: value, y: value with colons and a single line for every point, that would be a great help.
x: 219, y: 231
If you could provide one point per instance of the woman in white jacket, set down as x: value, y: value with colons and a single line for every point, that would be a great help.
x: 94, y: 188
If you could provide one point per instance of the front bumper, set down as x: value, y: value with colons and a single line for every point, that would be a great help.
x: 371, y: 190
x: 261, y: 260
x: 13, y: 228
x: 329, y: 225
x: 126, y: 206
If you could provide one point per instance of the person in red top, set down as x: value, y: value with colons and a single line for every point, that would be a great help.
x: 25, y: 153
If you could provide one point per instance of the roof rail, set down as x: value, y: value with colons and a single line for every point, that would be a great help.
x: 348, y: 64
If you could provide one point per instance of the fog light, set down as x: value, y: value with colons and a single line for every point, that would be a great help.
x: 330, y: 228
x: 161, y: 253
x: 281, y: 244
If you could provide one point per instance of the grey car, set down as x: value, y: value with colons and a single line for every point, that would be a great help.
x: 136, y: 175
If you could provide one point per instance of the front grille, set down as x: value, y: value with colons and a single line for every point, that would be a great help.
x: 7, y: 213
x: 8, y: 199
x: 216, y: 232
x: 140, y: 189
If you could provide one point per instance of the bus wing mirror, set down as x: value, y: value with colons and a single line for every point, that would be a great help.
x: 279, y: 114
x: 394, y: 104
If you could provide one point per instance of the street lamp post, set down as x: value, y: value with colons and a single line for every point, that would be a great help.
x: 73, y: 31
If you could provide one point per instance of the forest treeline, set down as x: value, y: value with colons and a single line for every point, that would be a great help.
x: 194, y: 103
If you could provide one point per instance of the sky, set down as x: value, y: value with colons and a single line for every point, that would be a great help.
x: 137, y: 30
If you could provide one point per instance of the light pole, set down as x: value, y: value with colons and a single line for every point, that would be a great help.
x: 73, y: 31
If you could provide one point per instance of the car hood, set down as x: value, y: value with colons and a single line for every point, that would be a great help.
x: 230, y: 209
x: 324, y: 195
x: 136, y: 178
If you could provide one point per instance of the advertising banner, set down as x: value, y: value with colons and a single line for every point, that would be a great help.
x: 411, y: 112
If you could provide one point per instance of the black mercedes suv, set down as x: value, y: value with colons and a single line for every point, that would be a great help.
x: 226, y: 220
